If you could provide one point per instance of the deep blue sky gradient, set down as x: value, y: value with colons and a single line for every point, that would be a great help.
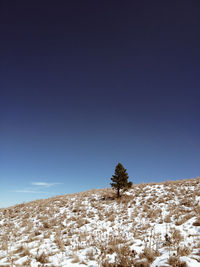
x: 87, y: 84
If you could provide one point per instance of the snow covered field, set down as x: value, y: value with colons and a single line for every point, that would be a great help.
x: 151, y: 225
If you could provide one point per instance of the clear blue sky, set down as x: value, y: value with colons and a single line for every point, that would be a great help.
x: 87, y: 84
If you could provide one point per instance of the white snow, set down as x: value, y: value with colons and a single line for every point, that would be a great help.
x: 86, y: 229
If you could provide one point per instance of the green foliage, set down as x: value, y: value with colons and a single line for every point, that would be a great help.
x: 120, y: 179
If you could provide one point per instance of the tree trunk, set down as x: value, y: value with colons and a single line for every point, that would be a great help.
x: 118, y: 192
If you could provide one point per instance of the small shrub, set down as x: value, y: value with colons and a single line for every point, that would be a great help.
x: 184, y: 219
x: 90, y: 255
x: 42, y: 258
x: 4, y: 245
x: 149, y: 254
x: 197, y: 222
x: 167, y: 219
x: 176, y: 236
x: 75, y: 259
x: 141, y: 264
x: 124, y: 257
x: 60, y: 243
x: 106, y: 263
x: 184, y: 251
x: 46, y: 224
x: 174, y: 261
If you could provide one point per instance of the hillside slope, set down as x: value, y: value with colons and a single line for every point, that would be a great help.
x: 151, y: 225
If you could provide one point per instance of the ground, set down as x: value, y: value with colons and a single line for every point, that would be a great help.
x: 150, y: 225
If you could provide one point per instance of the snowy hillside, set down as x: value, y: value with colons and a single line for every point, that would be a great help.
x: 151, y: 225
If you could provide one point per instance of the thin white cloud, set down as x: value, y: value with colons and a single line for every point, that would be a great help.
x: 44, y: 184
x: 36, y: 188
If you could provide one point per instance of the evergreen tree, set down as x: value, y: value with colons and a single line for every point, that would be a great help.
x: 120, y: 179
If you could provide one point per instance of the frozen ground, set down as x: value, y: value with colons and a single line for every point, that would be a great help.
x: 151, y: 225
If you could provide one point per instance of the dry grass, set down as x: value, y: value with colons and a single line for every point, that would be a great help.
x: 184, y: 251
x: 42, y: 258
x: 174, y: 261
x: 63, y: 221
x: 197, y: 222
x: 149, y: 254
x: 75, y: 259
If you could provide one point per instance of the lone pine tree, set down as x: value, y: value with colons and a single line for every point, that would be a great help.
x: 120, y: 179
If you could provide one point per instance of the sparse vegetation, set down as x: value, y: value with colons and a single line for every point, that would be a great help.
x: 151, y: 222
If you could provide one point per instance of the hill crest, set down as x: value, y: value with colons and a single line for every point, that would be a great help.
x: 154, y: 224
